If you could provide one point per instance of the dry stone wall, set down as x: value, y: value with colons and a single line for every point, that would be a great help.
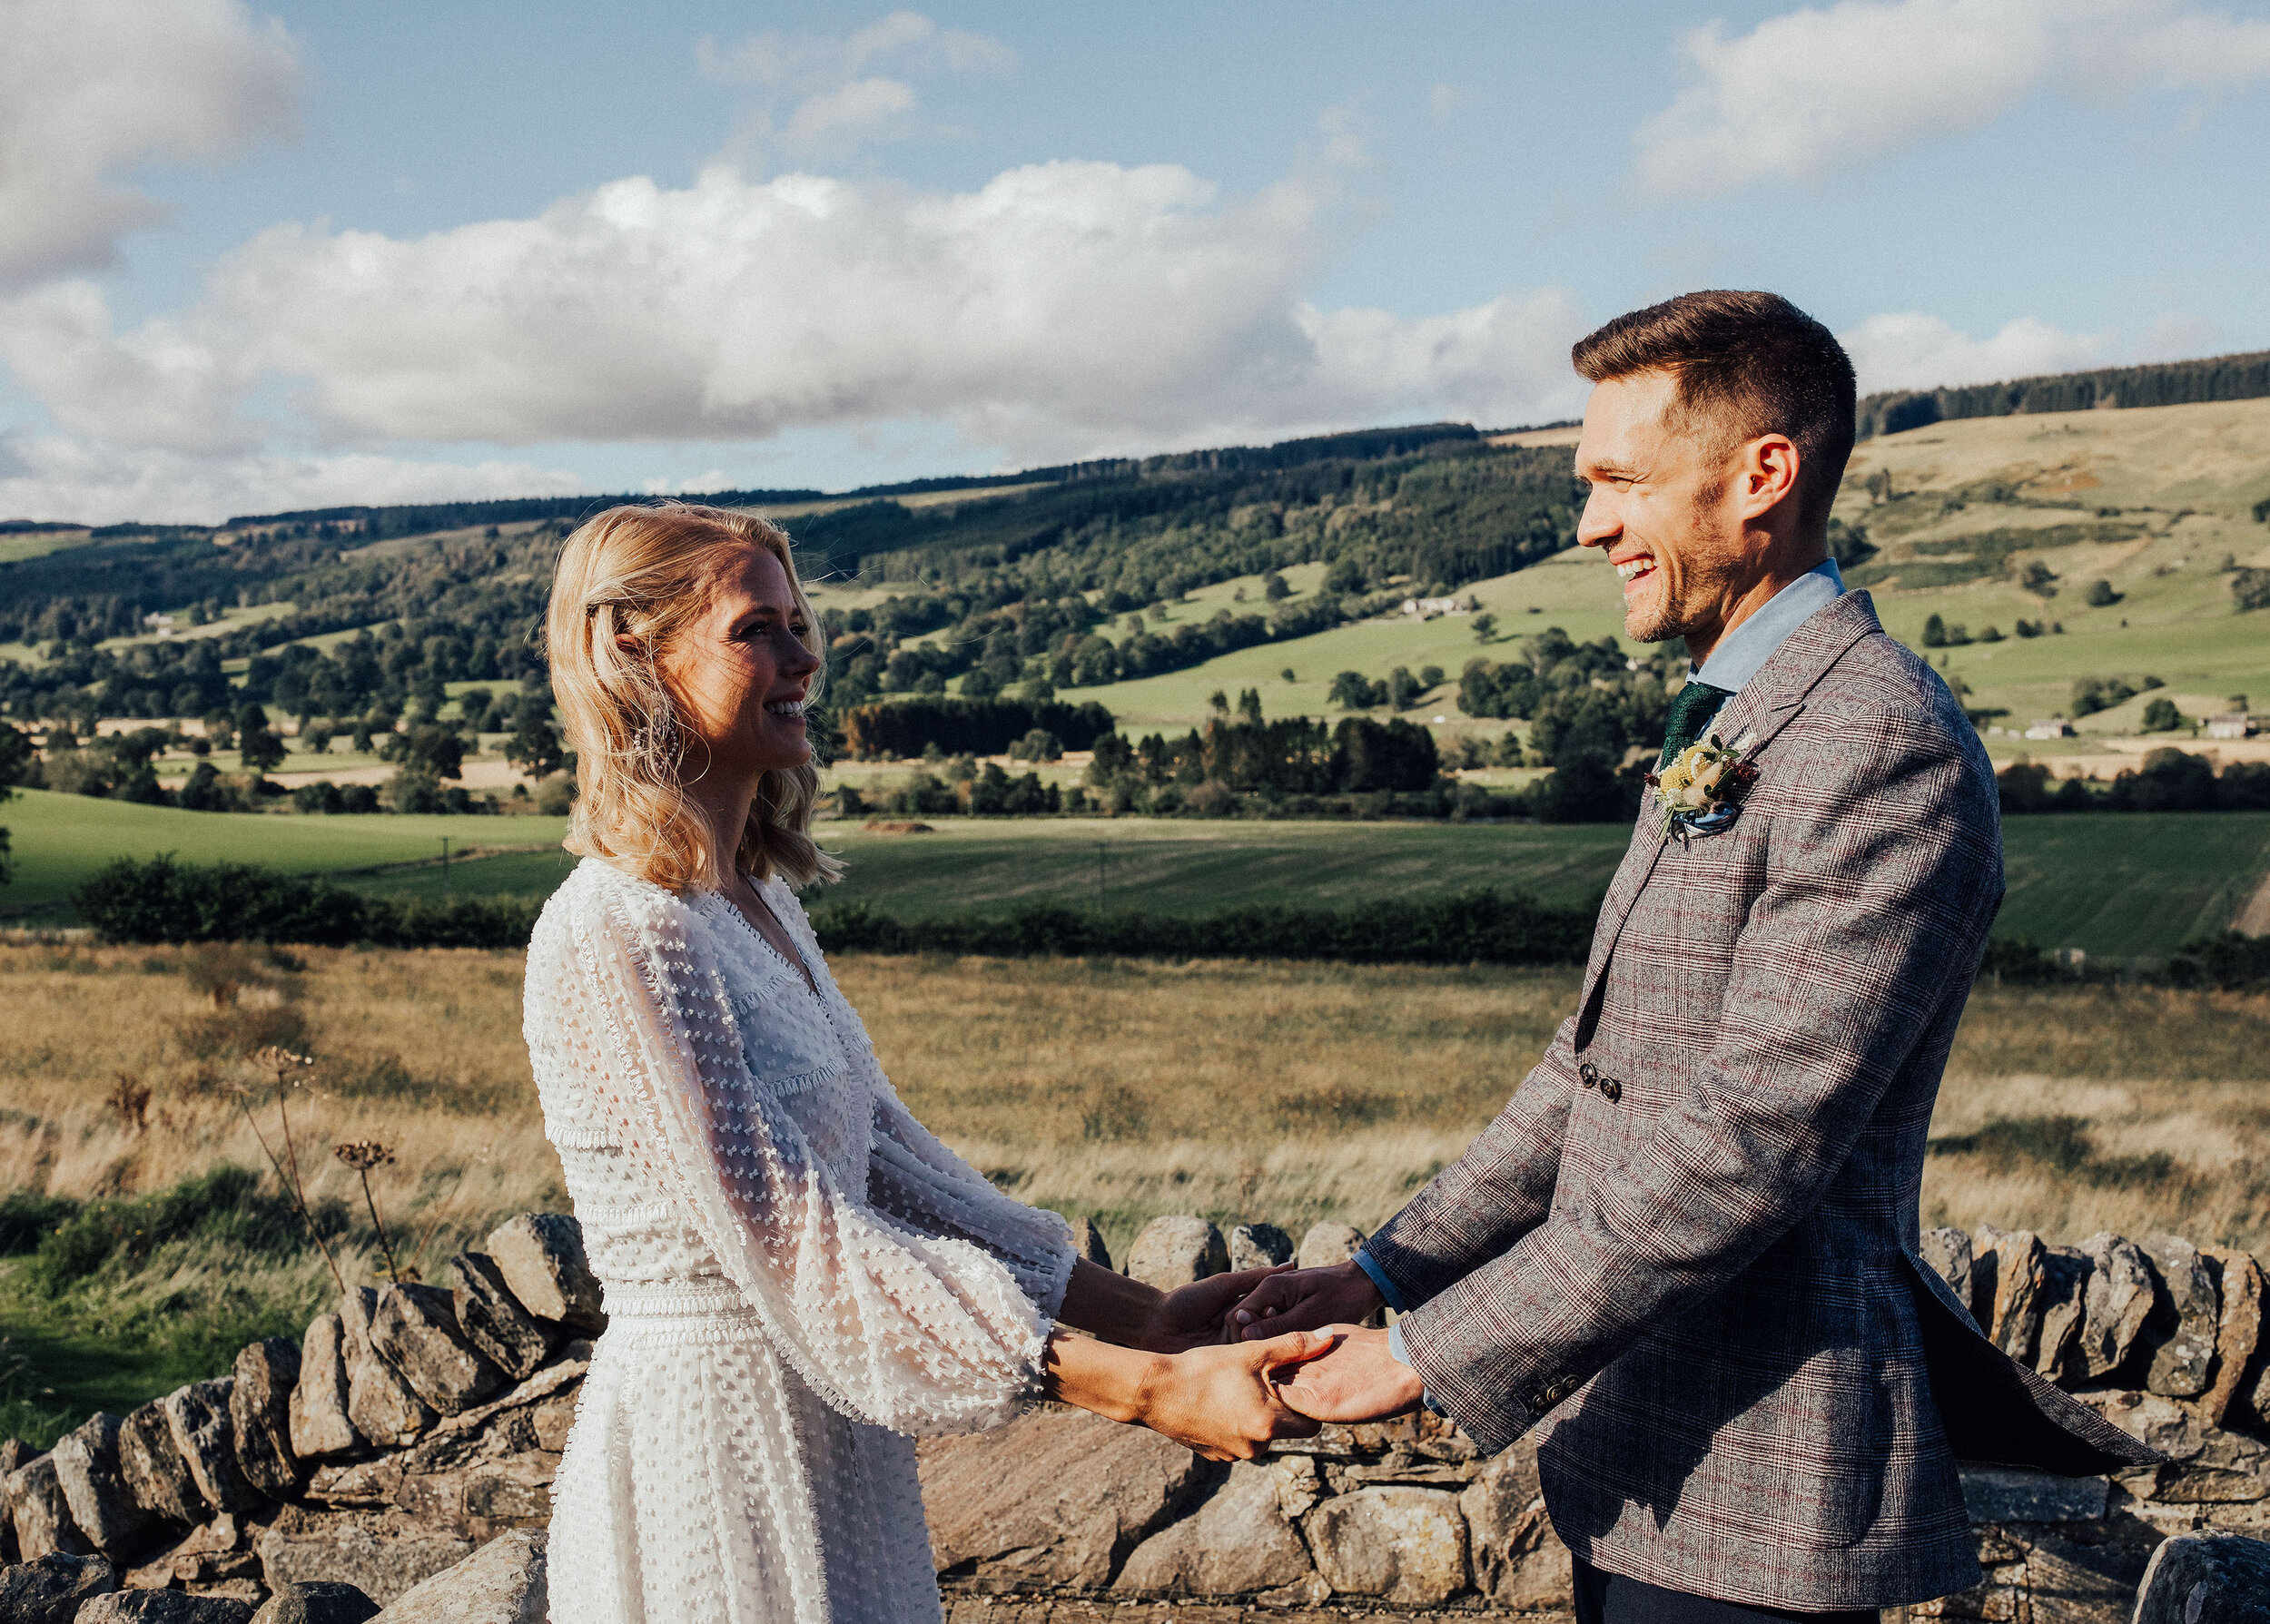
x: 401, y: 1455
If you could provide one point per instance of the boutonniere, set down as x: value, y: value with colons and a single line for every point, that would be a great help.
x: 1701, y: 790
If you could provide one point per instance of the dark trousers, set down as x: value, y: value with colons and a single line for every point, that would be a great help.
x: 1612, y: 1599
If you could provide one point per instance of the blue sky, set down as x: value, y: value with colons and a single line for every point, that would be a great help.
x: 254, y: 257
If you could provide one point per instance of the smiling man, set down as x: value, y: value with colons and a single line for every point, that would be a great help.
x: 1685, y: 1252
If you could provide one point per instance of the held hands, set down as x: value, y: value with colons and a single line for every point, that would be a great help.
x: 1359, y: 1379
x: 1341, y: 1295
x: 1197, y: 1315
x: 1225, y: 1401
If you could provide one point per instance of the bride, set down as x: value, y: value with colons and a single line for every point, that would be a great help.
x: 799, y: 1278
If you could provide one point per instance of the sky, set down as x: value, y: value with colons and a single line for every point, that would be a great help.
x: 259, y: 257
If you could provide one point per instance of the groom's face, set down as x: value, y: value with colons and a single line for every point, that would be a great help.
x: 1659, y: 509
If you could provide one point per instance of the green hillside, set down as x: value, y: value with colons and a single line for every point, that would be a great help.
x: 2118, y: 887
x: 60, y: 839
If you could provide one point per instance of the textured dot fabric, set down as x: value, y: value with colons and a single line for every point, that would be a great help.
x: 800, y: 1279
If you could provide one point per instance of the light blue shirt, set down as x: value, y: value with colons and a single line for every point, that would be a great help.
x: 1743, y: 652
x: 1740, y: 656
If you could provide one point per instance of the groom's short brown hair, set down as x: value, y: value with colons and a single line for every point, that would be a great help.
x: 1747, y: 364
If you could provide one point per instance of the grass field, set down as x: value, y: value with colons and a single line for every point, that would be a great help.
x: 60, y: 839
x: 1121, y: 1091
x: 2129, y: 887
x: 2124, y: 887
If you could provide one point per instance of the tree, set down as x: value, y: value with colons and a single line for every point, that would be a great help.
x: 1353, y: 691
x: 1403, y: 688
x: 2101, y: 595
x: 1249, y: 704
x: 1935, y: 633
x: 1344, y: 577
x: 257, y: 747
x: 1484, y: 627
x: 2161, y: 717
x: 534, y: 746
x: 1273, y: 588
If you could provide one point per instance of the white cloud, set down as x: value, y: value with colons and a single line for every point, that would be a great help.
x: 836, y: 96
x: 89, y: 89
x: 1915, y: 351
x: 63, y: 475
x: 1812, y: 91
x: 858, y: 106
x: 1062, y: 310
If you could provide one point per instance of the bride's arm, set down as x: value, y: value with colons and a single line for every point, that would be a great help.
x: 1221, y: 1401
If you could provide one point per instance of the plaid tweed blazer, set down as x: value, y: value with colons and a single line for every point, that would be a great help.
x: 1685, y: 1252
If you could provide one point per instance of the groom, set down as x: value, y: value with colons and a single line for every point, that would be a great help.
x: 1685, y: 1252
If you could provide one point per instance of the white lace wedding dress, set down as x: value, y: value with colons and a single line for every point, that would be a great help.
x: 799, y: 1278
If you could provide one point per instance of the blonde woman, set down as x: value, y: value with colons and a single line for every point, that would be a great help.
x: 799, y: 1278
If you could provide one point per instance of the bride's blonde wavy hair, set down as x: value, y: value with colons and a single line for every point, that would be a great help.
x: 637, y: 577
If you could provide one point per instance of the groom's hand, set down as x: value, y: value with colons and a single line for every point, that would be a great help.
x: 1360, y: 1380
x: 1192, y: 1316
x: 1225, y: 1401
x: 1307, y: 1299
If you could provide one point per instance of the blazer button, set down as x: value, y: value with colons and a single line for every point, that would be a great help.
x: 1588, y: 1074
x: 1611, y: 1090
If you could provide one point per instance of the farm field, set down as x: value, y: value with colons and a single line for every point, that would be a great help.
x: 1115, y: 1090
x: 2120, y: 887
x: 60, y: 839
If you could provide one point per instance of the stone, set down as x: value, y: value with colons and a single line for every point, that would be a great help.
x: 1948, y: 1251
x: 541, y: 1256
x: 2237, y: 1335
x: 2206, y: 1579
x: 2006, y: 1285
x: 1519, y: 1562
x: 14, y: 1453
x: 52, y: 1587
x: 1259, y: 1246
x: 2003, y: 1494
x: 2070, y: 1581
x: 2158, y: 1422
x: 156, y: 1475
x: 102, y: 1503
x: 2117, y: 1303
x: 41, y: 1514
x: 319, y: 1426
x: 1298, y: 1487
x: 415, y: 1329
x: 1088, y: 1243
x: 500, y: 1583
x: 1328, y: 1243
x: 1406, y: 1546
x: 384, y: 1407
x: 206, y: 1438
x: 2064, y: 1310
x: 260, y: 1414
x: 164, y: 1607
x: 1238, y: 1543
x: 511, y: 1338
x: 1175, y: 1251
x: 317, y: 1601
x: 2178, y: 1336
x: 383, y: 1553
x: 1056, y: 1497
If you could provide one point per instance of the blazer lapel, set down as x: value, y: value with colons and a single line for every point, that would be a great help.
x: 1766, y: 703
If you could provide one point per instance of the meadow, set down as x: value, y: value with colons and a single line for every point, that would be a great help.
x: 2133, y: 886
x: 1110, y: 1089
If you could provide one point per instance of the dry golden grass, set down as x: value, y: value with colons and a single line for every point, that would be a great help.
x: 1122, y: 1090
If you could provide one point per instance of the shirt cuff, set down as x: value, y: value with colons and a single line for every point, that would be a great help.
x: 1395, y: 1346
x: 1393, y: 1297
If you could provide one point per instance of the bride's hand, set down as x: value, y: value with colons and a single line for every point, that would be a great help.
x: 1195, y: 1316
x: 1224, y: 1402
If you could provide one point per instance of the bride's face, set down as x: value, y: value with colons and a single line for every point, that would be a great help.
x: 739, y: 673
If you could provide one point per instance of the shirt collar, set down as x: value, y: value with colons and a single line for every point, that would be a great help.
x: 1743, y: 651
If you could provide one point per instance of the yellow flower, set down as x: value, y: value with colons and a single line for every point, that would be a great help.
x: 1684, y: 767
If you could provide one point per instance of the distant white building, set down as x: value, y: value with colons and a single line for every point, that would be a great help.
x: 1426, y: 608
x: 2231, y: 724
x: 2055, y: 727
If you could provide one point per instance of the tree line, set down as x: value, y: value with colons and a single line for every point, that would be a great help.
x: 2167, y: 383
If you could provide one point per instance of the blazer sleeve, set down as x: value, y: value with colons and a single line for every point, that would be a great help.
x: 913, y: 1331
x: 1498, y: 1191
x: 1879, y: 889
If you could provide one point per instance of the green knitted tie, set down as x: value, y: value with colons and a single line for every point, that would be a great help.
x: 1691, y: 709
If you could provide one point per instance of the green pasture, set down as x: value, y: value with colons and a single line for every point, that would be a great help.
x: 2117, y: 886
x: 58, y: 841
